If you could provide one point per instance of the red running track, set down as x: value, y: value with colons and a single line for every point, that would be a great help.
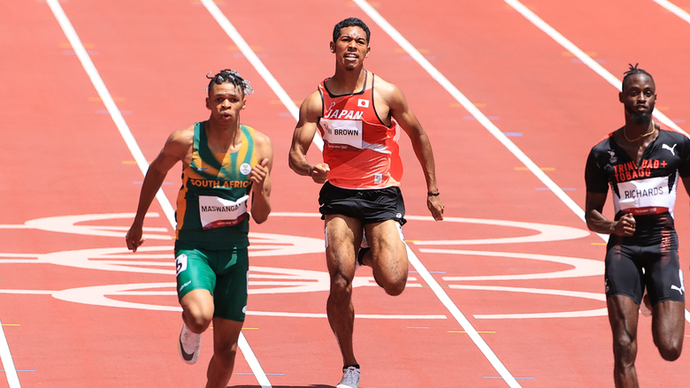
x: 513, y: 257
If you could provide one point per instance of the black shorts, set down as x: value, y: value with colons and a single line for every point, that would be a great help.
x: 368, y: 206
x: 631, y: 268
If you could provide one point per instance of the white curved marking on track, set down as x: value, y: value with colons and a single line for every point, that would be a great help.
x: 581, y: 267
x: 68, y: 224
x: 567, y: 314
x: 546, y: 232
x: 102, y: 296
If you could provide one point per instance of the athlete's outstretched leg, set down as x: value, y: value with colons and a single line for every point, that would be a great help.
x: 225, y: 335
x: 343, y: 234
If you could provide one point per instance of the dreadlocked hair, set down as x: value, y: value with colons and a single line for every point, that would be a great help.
x: 230, y: 76
x: 635, y: 70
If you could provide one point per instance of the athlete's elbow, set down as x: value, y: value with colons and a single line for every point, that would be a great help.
x: 293, y: 162
x: 261, y: 216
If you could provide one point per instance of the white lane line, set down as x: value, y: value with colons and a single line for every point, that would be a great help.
x: 229, y: 29
x: 7, y: 362
x: 133, y: 146
x: 592, y: 64
x: 287, y: 101
x: 462, y: 320
x: 586, y: 59
x: 107, y: 99
x: 676, y: 10
x: 469, y: 106
x: 446, y: 84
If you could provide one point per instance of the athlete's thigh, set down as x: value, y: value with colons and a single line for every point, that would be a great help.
x: 623, y: 276
x: 389, y: 254
x: 343, y: 236
x: 623, y: 314
x: 193, y: 271
x: 668, y: 320
x: 664, y: 278
x: 230, y: 294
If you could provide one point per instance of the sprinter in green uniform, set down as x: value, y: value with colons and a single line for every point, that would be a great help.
x: 225, y: 173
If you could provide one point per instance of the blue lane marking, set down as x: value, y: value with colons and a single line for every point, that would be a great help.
x: 513, y: 134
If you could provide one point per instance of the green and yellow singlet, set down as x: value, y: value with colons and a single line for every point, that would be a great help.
x: 212, y: 202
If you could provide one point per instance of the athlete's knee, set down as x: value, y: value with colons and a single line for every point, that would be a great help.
x: 225, y: 353
x: 395, y: 288
x: 391, y: 273
x: 625, y: 350
x: 198, y: 315
x: 341, y: 286
x: 198, y: 323
x: 670, y: 350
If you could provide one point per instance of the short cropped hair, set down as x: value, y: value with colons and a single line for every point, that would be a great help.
x: 350, y: 22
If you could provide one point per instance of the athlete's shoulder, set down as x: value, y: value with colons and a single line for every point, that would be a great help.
x: 313, y: 101
x: 257, y: 135
x: 183, y: 136
x: 604, y: 144
x: 310, y: 109
x: 665, y: 134
x: 381, y: 85
x: 261, y: 140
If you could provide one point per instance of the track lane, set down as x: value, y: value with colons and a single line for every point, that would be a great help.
x: 479, y: 203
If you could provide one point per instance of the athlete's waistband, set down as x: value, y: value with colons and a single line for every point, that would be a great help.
x: 643, y: 211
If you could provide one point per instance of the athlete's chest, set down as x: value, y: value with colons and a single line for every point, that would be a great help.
x: 658, y: 159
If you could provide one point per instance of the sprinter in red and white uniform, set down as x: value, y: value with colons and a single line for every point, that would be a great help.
x: 360, y: 117
x: 643, y: 165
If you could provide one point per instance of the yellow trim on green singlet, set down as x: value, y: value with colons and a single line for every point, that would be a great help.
x: 214, y: 174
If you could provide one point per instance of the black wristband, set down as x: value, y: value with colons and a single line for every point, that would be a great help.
x: 433, y: 194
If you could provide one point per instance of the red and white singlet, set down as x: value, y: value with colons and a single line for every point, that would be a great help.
x: 360, y: 150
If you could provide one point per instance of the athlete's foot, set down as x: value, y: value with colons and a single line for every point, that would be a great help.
x: 350, y: 378
x: 188, y: 344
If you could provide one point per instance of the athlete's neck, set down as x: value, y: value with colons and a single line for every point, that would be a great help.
x: 223, y: 137
x: 347, y: 81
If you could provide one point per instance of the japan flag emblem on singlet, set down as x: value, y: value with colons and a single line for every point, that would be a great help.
x: 363, y: 103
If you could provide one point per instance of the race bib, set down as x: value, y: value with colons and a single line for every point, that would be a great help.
x: 645, y: 193
x: 342, y: 132
x: 216, y: 212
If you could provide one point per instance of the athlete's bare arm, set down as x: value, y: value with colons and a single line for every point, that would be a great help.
x: 261, y: 178
x: 177, y: 148
x: 309, y: 114
x: 598, y: 223
x: 398, y: 108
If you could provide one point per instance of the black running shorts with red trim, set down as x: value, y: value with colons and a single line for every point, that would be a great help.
x: 369, y: 206
x: 632, y: 268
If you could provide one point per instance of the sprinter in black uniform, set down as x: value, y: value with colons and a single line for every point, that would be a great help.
x: 642, y: 164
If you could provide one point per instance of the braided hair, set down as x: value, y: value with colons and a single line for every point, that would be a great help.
x: 635, y: 70
x: 230, y: 76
